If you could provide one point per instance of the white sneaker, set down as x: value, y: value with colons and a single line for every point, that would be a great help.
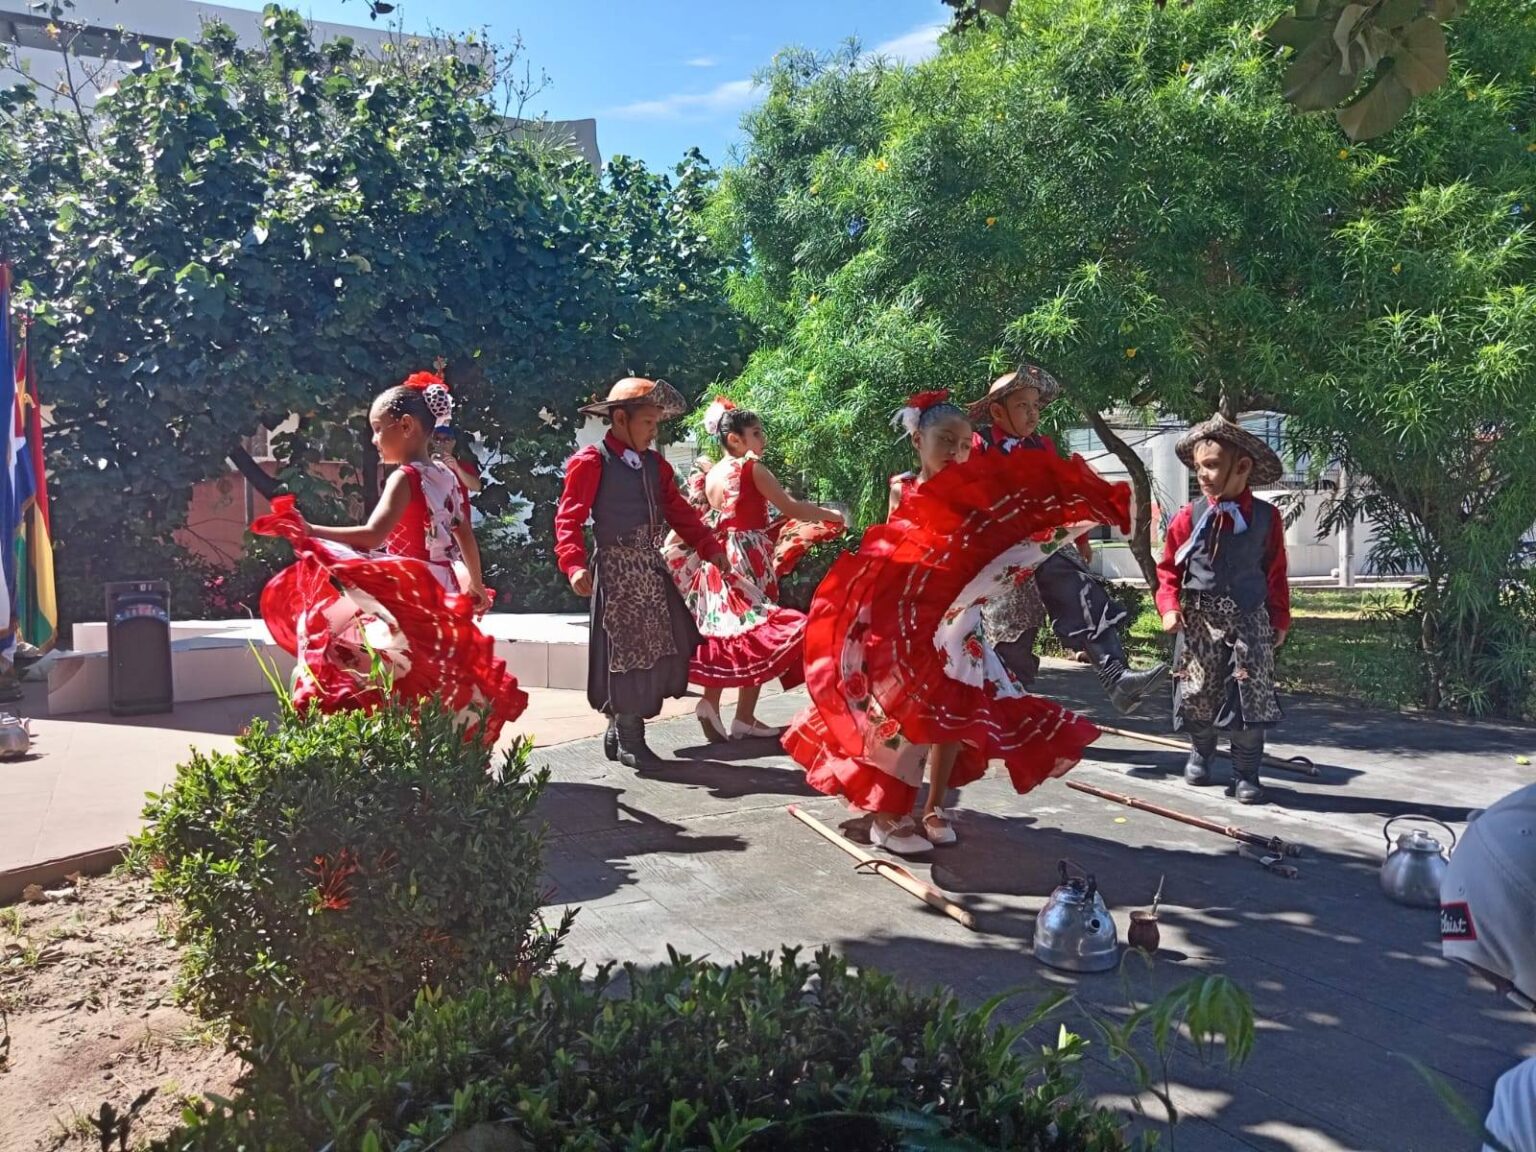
x: 743, y: 731
x: 898, y: 836
x: 709, y: 720
x: 938, y: 828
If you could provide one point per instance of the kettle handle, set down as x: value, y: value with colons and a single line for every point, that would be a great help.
x: 1411, y: 816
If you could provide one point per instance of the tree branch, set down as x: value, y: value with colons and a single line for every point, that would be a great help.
x: 1141, y: 492
x: 255, y: 475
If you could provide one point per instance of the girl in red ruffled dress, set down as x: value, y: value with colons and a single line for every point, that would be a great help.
x: 900, y: 674
x: 398, y: 594
x: 749, y: 638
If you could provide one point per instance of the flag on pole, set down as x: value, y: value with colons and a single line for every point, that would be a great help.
x: 35, y: 606
x: 10, y: 509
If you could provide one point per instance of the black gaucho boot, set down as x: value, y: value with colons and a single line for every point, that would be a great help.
x: 1126, y: 689
x: 633, y: 750
x: 611, y: 739
x: 1202, y: 755
x: 1247, y: 755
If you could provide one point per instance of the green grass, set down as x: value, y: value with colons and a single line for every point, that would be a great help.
x: 1344, y: 642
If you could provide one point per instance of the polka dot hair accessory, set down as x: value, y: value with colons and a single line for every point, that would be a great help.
x: 436, y: 394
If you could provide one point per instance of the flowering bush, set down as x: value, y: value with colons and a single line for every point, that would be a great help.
x: 355, y: 856
x: 233, y: 591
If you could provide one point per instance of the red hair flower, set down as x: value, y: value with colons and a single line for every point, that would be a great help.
x: 923, y: 401
x: 715, y: 413
x: 422, y: 381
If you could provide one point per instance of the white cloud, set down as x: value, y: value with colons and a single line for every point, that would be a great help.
x: 702, y: 62
x: 918, y: 44
x: 721, y: 99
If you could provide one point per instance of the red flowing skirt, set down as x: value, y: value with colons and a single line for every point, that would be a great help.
x: 895, y: 655
x: 348, y: 616
x: 748, y: 637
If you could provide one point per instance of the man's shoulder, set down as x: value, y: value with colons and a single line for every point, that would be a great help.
x: 1512, y: 1119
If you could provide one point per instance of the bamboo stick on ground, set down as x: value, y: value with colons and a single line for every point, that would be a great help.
x: 893, y: 872
x: 1301, y: 767
x: 1269, y: 843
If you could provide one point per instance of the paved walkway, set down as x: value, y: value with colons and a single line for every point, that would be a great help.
x: 80, y: 794
x: 699, y: 854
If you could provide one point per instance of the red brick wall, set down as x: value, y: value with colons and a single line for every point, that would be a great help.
x: 216, y: 516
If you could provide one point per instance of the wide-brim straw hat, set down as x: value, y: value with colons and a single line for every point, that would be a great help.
x: 1267, y: 468
x: 1027, y: 376
x: 634, y: 391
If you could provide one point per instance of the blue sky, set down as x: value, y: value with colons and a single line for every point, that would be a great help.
x: 660, y: 75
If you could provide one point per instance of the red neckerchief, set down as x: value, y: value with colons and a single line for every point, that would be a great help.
x: 1001, y: 440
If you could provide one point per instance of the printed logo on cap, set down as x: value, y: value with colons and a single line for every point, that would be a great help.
x: 1456, y: 922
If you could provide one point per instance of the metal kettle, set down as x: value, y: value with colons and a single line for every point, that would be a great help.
x: 1074, y: 931
x: 15, y: 737
x: 1415, y: 864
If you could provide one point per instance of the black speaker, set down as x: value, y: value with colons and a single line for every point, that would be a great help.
x: 139, y: 647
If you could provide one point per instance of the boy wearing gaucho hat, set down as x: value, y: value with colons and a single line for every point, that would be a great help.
x: 1222, y: 588
x: 1083, y: 614
x: 642, y: 634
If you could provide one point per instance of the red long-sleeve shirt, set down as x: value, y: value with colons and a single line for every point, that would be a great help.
x: 997, y: 439
x: 1170, y: 573
x: 583, y: 473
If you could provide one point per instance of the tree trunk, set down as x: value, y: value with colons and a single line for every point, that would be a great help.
x: 1227, y: 405
x: 1141, y: 497
x: 370, y: 477
x: 255, y: 475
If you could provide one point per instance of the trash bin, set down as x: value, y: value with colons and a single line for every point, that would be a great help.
x: 139, y: 647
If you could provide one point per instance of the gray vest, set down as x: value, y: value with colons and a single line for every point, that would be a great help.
x: 627, y: 509
x: 1238, y: 568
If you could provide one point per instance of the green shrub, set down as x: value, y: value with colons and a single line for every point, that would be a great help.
x: 518, y: 563
x: 798, y: 589
x: 763, y: 1054
x: 357, y: 856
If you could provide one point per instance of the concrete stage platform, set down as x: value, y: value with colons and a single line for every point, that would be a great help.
x: 217, y: 659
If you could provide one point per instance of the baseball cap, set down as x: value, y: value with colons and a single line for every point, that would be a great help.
x: 1488, y: 894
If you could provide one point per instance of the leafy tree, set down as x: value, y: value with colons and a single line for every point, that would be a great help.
x: 1444, y: 374
x: 1397, y: 48
x: 244, y: 235
x: 1123, y: 194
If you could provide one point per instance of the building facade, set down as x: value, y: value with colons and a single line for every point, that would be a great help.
x: 107, y: 38
x: 1342, y: 555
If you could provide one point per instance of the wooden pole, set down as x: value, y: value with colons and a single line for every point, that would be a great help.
x: 895, y: 873
x: 1300, y: 766
x: 1269, y: 843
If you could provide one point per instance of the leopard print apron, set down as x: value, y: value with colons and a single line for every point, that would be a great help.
x: 635, y: 613
x: 1223, y: 665
x: 1013, y: 611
